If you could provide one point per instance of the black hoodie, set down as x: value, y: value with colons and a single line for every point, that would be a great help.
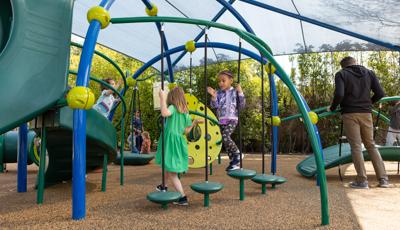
x: 353, y: 86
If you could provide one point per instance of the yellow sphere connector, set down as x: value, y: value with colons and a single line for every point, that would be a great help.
x: 172, y: 85
x: 80, y: 97
x: 276, y: 121
x: 313, y: 117
x: 273, y: 69
x: 130, y: 82
x: 153, y: 11
x: 100, y: 14
x: 190, y: 46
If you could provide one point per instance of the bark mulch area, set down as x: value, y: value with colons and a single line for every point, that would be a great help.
x: 294, y: 205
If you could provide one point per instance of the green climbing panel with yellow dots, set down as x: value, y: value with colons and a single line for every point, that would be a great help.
x: 196, y: 138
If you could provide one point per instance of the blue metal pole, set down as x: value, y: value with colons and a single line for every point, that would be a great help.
x: 214, y: 19
x: 237, y: 15
x: 162, y: 36
x: 322, y: 24
x: 79, y: 122
x: 316, y: 133
x: 198, y: 45
x: 22, y: 157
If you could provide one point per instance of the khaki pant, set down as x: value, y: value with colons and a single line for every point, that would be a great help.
x: 358, y: 127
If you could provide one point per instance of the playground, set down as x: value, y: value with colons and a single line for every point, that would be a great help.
x: 105, y: 107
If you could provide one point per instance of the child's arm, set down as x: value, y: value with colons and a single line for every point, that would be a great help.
x: 242, y: 99
x: 109, y: 91
x: 119, y: 83
x: 163, y: 104
x: 195, y: 122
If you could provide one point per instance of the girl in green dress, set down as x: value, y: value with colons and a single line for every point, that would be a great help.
x: 178, y: 123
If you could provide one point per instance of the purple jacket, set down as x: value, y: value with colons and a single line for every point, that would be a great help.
x: 226, y: 105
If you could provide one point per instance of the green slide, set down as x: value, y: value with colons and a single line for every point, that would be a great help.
x: 101, y: 139
x: 34, y: 57
x: 308, y: 168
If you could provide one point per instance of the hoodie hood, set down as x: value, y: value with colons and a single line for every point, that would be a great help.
x: 357, y: 70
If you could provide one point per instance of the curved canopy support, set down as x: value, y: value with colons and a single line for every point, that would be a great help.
x: 264, y: 50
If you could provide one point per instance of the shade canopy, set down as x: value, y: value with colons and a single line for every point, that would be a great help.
x: 287, y: 26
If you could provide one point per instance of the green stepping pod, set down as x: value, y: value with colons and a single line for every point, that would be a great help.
x: 163, y: 198
x: 134, y: 158
x: 242, y: 174
x: 34, y: 57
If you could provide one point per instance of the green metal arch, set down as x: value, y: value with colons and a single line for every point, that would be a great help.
x: 264, y: 50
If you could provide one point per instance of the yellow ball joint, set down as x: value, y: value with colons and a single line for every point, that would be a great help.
x: 172, y: 85
x: 100, y: 14
x: 313, y: 117
x: 273, y: 69
x: 130, y: 82
x: 153, y: 11
x: 190, y: 46
x: 276, y: 121
x: 80, y: 97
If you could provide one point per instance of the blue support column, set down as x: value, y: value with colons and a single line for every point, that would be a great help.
x: 22, y: 157
x: 79, y: 122
x: 148, y: 5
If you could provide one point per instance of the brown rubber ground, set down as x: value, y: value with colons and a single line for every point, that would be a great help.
x: 294, y: 205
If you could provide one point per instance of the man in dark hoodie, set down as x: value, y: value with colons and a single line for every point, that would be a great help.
x: 353, y: 85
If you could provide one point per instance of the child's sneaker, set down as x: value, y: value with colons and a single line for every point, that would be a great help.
x: 160, y: 188
x: 233, y: 167
x: 182, y: 201
x: 383, y: 183
x: 359, y: 185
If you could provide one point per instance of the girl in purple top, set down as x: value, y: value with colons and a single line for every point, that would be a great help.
x: 225, y: 101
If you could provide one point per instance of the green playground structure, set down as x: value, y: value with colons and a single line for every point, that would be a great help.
x: 41, y: 41
x: 333, y: 156
x: 332, y: 159
x: 34, y: 66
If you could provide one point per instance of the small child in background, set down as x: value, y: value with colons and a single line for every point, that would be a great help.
x: 225, y: 101
x: 106, y: 100
x: 137, y: 130
x: 393, y: 133
x: 146, y: 142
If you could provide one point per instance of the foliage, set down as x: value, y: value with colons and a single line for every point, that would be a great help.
x: 312, y: 74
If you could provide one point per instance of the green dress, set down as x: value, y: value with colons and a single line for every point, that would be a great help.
x: 176, y: 148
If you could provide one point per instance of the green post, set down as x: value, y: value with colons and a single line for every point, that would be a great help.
x: 179, y: 176
x: 104, y: 177
x: 42, y: 165
x: 121, y: 151
x: 206, y: 199
x: 165, y: 206
x: 273, y: 186
x: 219, y: 158
x: 211, y: 171
x: 263, y: 189
x: 1, y: 153
x: 241, y: 189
